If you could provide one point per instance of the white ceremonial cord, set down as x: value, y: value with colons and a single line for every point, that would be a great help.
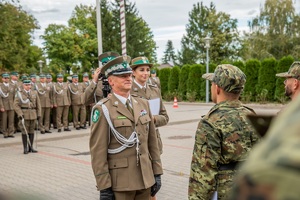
x: 2, y: 93
x: 20, y: 97
x: 37, y: 89
x: 56, y: 90
x: 72, y: 90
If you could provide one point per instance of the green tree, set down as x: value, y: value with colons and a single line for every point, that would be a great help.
x: 169, y: 54
x: 174, y: 80
x: 194, y: 80
x: 204, y: 21
x: 283, y: 66
x: 251, y: 70
x: 16, y: 27
x: 139, y: 37
x: 266, y: 78
x: 272, y: 32
x: 164, y: 75
x: 183, y: 77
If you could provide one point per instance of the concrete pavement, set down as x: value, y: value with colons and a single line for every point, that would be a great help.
x: 62, y: 169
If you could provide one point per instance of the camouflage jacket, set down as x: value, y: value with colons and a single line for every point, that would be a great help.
x: 223, y: 136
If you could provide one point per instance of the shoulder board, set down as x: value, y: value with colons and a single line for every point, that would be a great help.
x: 151, y: 85
x: 249, y: 109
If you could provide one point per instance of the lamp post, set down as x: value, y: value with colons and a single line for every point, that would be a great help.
x: 40, y: 65
x: 207, y: 40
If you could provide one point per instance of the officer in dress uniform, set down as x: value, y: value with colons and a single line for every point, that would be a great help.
x: 53, y: 110
x: 45, y: 95
x: 153, y: 79
x: 33, y: 81
x: 28, y: 108
x: 7, y: 93
x: 94, y: 92
x: 61, y: 101
x: 78, y: 107
x: 123, y: 143
x: 141, y: 70
x: 86, y: 82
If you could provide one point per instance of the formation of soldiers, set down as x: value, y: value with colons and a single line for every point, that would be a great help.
x: 56, y: 100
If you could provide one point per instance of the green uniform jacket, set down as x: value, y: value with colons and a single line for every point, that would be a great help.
x: 121, y: 171
x: 223, y: 136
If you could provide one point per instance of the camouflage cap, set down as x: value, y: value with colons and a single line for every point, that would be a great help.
x: 294, y: 71
x: 228, y: 77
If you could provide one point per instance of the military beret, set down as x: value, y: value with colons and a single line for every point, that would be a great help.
x: 294, y: 71
x: 118, y: 66
x: 228, y: 77
x: 140, y: 61
x: 107, y: 56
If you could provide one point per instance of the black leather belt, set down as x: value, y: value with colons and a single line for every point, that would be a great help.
x: 229, y: 166
x: 25, y: 108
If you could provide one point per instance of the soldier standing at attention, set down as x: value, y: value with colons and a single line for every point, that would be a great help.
x: 223, y: 138
x: 33, y: 81
x: 53, y: 110
x: 94, y: 92
x: 14, y: 76
x: 123, y: 144
x: 45, y: 95
x: 153, y: 79
x: 86, y: 82
x: 76, y: 92
x: 7, y: 94
x: 141, y: 71
x: 27, y: 106
x: 61, y: 101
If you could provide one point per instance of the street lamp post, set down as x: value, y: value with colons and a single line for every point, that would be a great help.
x: 207, y: 40
x: 40, y: 65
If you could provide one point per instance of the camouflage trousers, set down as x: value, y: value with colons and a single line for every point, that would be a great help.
x: 224, y: 183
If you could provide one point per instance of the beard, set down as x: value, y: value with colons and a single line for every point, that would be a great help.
x: 288, y: 92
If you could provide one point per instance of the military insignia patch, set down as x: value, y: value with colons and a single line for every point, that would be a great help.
x: 96, y: 115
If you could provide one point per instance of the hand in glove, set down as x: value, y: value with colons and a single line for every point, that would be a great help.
x: 107, y: 194
x: 156, y: 187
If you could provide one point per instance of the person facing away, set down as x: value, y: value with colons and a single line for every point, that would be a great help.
x: 123, y: 144
x: 141, y: 71
x: 223, y: 137
x: 292, y: 80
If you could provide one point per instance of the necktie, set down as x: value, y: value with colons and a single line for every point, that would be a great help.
x: 129, y: 107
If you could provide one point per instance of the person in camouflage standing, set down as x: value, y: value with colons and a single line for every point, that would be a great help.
x: 223, y: 137
x: 272, y: 169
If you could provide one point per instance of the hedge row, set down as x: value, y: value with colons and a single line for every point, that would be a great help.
x: 186, y: 83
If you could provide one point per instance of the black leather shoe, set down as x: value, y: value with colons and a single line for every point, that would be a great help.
x: 48, y: 132
x: 42, y: 132
x: 59, y: 130
x: 33, y: 151
x: 25, y: 151
x: 77, y: 128
x: 67, y: 129
x: 5, y: 136
x: 82, y: 127
x: 11, y: 136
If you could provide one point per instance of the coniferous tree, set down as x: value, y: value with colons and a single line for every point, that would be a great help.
x: 169, y: 54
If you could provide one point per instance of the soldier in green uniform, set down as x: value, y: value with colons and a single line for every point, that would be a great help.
x: 78, y: 107
x: 153, y: 79
x: 45, y: 94
x: 94, y: 92
x: 7, y: 94
x: 292, y: 80
x: 61, y: 101
x: 272, y: 169
x: 33, y: 81
x: 28, y: 108
x: 223, y: 138
x: 141, y: 71
x: 86, y: 82
x: 123, y: 144
x: 53, y: 110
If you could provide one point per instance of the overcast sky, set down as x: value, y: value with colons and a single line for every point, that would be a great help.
x: 166, y: 18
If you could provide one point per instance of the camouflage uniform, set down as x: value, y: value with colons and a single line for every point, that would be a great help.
x: 223, y: 139
x: 272, y: 169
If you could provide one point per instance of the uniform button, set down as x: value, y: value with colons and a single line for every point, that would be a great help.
x: 115, y: 165
x: 140, y: 143
x: 139, y: 134
x: 140, y: 154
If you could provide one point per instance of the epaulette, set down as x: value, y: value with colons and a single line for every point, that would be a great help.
x: 150, y: 85
x: 249, y: 109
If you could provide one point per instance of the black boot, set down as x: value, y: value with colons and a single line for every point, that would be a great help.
x: 24, y: 140
x: 31, y: 137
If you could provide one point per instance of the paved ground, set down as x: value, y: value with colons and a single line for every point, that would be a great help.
x: 61, y: 170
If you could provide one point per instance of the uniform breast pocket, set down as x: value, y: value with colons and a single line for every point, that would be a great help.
x: 145, y: 120
x: 123, y: 126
